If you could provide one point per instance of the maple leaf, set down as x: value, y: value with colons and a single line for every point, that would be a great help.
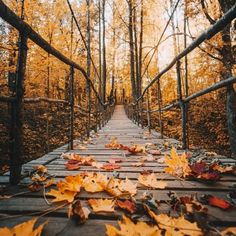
x: 113, y: 144
x: 95, y: 182
x: 74, y: 166
x: 41, y: 168
x: 228, y: 231
x: 38, y: 178
x: 102, y: 205
x: 135, y: 149
x: 154, y: 152
x: 23, y: 229
x: 150, y: 180
x: 34, y: 187
x: 71, y: 183
x: 80, y: 213
x: 112, y: 187
x: 109, y: 166
x: 216, y: 201
x: 127, y: 227
x: 87, y: 161
x: 127, y: 186
x: 62, y: 196
x: 127, y: 205
x: 175, y: 226
x: 177, y: 165
x: 71, y: 156
x: 224, y: 169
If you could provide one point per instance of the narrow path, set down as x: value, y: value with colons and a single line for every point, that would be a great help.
x: 126, y: 133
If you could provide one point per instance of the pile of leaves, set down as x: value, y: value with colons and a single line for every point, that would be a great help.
x: 182, y: 166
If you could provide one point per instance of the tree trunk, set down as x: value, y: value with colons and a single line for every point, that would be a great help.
x: 131, y: 45
x: 227, y: 60
x: 104, y: 74
x: 140, y: 49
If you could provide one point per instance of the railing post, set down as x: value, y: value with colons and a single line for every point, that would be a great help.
x: 16, y: 132
x: 148, y: 112
x: 182, y: 106
x: 71, y: 107
x: 159, y: 98
x: 141, y: 112
x: 96, y: 109
x: 88, y: 89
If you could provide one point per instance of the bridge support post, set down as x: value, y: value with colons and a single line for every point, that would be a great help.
x: 71, y: 107
x: 159, y: 107
x: 16, y: 132
x: 148, y: 113
x: 183, y: 107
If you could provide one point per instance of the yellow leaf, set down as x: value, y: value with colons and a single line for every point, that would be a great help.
x: 41, y: 168
x: 175, y: 226
x: 177, y: 165
x: 128, y: 228
x: 127, y: 186
x: 62, y: 196
x: 23, y: 229
x: 229, y: 231
x: 102, y: 205
x: 113, y: 144
x: 95, y: 182
x: 71, y: 183
x: 150, y: 180
x: 112, y: 187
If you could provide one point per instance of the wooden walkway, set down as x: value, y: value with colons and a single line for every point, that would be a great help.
x: 21, y: 207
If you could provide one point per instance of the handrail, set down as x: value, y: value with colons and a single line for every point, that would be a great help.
x: 9, y: 16
x: 209, y: 33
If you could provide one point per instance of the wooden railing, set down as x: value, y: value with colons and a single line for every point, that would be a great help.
x: 141, y: 105
x: 102, y: 110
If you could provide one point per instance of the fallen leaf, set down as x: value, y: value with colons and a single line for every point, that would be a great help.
x: 177, y: 165
x: 62, y: 196
x: 127, y: 205
x: 127, y: 186
x: 138, y: 164
x: 74, y: 166
x: 128, y: 228
x: 71, y: 183
x: 150, y: 181
x: 154, y: 152
x: 216, y: 201
x: 23, y: 229
x: 41, y: 168
x: 114, y: 144
x: 112, y: 187
x: 102, y: 205
x: 80, y: 213
x: 97, y: 165
x: 38, y: 178
x: 228, y: 231
x: 35, y: 187
x: 71, y: 156
x: 95, y: 182
x: 135, y: 149
x: 175, y: 226
x: 109, y: 166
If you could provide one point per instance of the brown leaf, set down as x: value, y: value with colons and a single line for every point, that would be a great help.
x: 109, y: 166
x: 127, y: 205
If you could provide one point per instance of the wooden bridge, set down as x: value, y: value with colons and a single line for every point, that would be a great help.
x: 26, y: 190
x: 24, y: 204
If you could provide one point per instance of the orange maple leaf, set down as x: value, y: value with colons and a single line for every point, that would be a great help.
x: 23, y: 229
x: 102, y: 205
x: 177, y: 165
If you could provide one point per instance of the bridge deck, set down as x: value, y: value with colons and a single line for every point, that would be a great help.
x: 21, y: 207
